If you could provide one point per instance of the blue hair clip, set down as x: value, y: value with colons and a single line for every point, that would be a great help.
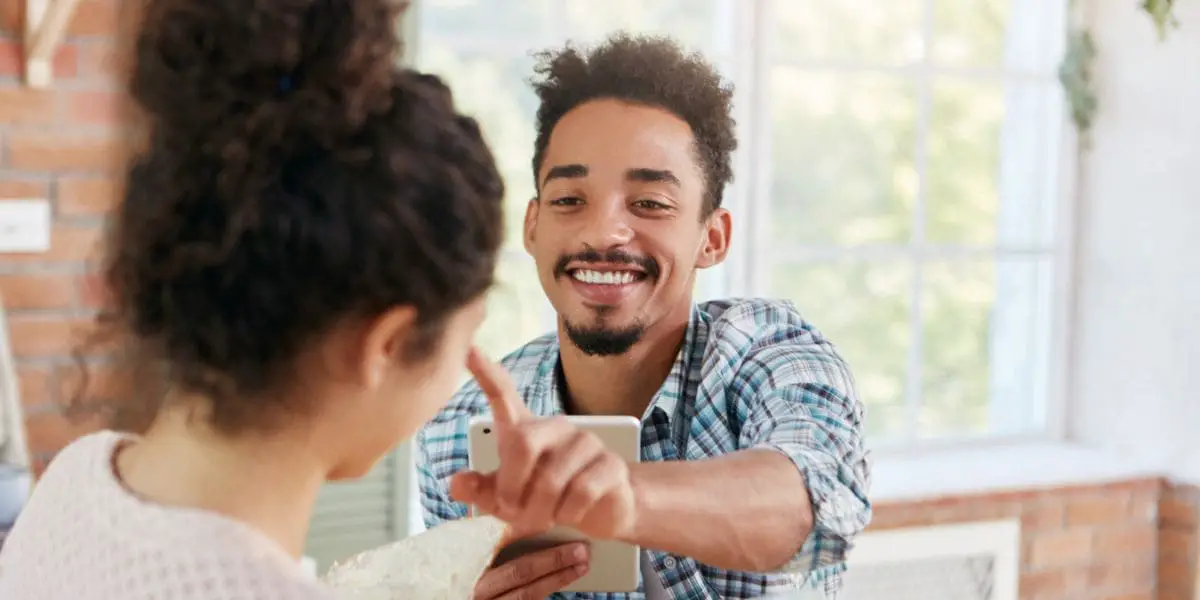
x: 285, y: 83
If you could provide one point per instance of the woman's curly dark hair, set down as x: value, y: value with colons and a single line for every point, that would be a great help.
x: 653, y: 71
x: 294, y: 178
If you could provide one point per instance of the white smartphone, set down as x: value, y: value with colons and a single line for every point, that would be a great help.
x: 615, y: 566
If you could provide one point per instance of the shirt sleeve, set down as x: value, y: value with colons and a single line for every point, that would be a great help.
x: 805, y: 407
x: 442, y: 452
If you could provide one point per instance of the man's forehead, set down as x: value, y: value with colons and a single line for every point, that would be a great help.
x: 614, y: 138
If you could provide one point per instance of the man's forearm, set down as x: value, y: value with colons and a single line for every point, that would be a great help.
x: 748, y: 511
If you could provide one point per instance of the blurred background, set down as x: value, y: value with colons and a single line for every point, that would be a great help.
x: 991, y: 206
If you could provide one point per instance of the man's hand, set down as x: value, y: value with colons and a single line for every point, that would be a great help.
x: 534, y: 576
x: 551, y: 473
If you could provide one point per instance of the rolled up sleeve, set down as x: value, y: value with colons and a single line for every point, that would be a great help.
x: 806, y: 409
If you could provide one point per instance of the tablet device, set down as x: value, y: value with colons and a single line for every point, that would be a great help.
x: 615, y: 566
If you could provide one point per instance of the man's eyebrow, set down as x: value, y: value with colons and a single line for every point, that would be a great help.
x: 571, y: 171
x: 652, y: 176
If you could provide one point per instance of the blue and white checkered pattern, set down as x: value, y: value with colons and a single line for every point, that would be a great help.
x: 751, y: 374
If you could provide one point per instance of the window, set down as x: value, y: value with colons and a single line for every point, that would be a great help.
x: 898, y: 180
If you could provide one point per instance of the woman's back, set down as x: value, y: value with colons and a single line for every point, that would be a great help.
x: 85, y: 537
x: 294, y: 277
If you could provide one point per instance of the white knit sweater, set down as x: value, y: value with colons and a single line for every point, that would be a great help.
x: 83, y: 536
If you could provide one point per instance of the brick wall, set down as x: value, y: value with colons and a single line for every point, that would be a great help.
x: 1179, y: 544
x: 1135, y: 540
x: 66, y: 144
x: 1079, y: 543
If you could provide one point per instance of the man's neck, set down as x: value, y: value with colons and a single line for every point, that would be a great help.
x: 626, y: 383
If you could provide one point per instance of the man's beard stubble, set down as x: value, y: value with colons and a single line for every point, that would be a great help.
x: 598, y: 339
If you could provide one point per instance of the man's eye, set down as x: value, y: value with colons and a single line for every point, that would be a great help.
x: 650, y: 204
x: 566, y: 201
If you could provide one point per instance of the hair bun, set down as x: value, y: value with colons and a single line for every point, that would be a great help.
x: 270, y: 66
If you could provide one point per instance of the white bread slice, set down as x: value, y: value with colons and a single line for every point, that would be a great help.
x: 443, y: 563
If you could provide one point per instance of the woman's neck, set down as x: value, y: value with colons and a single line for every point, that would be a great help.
x: 269, y: 482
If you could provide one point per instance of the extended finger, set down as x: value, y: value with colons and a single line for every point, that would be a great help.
x: 497, y: 385
x: 520, y: 450
x: 554, y: 473
x: 524, y: 571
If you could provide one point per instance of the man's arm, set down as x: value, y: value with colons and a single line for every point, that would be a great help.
x: 796, y: 495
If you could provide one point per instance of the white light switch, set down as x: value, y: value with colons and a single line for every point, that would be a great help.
x: 24, y: 225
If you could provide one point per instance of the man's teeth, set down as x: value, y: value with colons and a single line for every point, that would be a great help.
x: 604, y: 277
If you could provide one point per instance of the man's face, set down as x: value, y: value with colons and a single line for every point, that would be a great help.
x: 617, y: 230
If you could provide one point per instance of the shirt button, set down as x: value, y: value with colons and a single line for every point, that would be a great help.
x: 669, y: 562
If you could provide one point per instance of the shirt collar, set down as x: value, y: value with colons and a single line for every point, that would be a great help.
x: 671, y: 400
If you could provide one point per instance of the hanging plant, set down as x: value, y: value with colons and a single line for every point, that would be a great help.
x: 1162, y: 12
x: 1075, y: 72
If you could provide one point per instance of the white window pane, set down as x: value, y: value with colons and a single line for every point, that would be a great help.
x: 983, y: 349
x: 864, y: 309
x: 515, y: 308
x: 990, y: 147
x: 970, y: 33
x: 886, y: 32
x: 694, y: 23
x: 963, y: 146
x: 493, y: 89
x: 485, y: 22
x: 843, y: 171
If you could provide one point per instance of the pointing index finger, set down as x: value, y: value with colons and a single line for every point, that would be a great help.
x: 497, y: 385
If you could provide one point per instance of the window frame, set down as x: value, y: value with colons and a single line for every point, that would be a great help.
x: 749, y: 197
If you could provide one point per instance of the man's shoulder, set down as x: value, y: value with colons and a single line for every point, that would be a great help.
x: 752, y: 321
x: 763, y: 335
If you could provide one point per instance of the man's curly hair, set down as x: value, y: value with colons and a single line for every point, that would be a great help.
x: 295, y: 179
x: 653, y: 71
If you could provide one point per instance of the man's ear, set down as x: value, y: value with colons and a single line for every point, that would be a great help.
x: 531, y: 215
x: 718, y: 229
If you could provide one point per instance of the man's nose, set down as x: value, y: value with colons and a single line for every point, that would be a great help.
x: 607, y: 226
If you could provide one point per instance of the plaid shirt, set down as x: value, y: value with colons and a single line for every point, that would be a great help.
x: 750, y: 374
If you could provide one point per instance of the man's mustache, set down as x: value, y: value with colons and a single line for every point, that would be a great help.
x: 613, y: 256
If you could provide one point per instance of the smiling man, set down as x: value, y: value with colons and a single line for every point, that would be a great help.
x: 754, y: 475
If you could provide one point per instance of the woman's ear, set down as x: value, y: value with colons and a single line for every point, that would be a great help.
x: 382, y: 341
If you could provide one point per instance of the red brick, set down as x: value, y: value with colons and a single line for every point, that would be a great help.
x: 1053, y: 585
x: 12, y: 60
x: 1131, y: 575
x: 1045, y: 516
x: 48, y: 433
x: 46, y: 336
x: 1136, y: 540
x: 37, y: 291
x: 50, y: 152
x: 1072, y: 547
x: 1177, y: 544
x: 34, y: 386
x: 94, y: 17
x: 1175, y: 512
x: 88, y: 195
x: 20, y: 189
x: 24, y: 105
x: 1107, y: 509
x: 98, y: 108
x: 68, y: 244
